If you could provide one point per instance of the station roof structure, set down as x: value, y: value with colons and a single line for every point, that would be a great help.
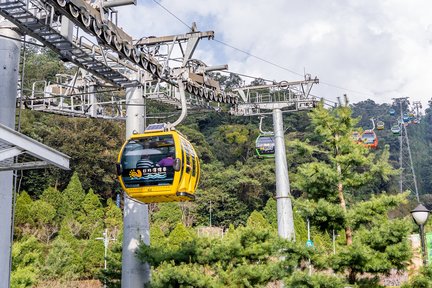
x: 19, y: 152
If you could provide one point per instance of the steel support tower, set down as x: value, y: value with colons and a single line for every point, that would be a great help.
x: 115, y: 61
x: 17, y: 152
x: 9, y: 62
x: 407, y: 180
x: 135, y: 221
x: 279, y: 98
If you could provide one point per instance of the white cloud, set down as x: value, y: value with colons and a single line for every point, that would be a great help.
x: 382, y: 49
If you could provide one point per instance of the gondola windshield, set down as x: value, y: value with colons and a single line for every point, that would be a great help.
x: 148, y: 161
x: 265, y: 142
x: 265, y: 145
x: 368, y: 138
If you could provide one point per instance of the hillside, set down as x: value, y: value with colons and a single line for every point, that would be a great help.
x: 340, y: 187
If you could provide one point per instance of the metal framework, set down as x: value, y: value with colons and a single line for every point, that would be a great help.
x: 287, y: 96
x: 165, y: 59
x: 407, y: 180
x: 278, y: 98
x: 85, y: 33
x: 30, y: 153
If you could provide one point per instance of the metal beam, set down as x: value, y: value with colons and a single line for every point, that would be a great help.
x: 171, y: 38
x: 25, y: 166
x: 34, y: 148
x: 9, y: 153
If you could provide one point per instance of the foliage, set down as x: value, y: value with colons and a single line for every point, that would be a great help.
x: 245, y: 257
x: 23, y: 216
x: 91, y: 217
x: 35, y: 218
x: 374, y: 243
x: 113, y: 219
x: 53, y: 196
x: 269, y: 212
x: 231, y: 143
x: 92, y: 145
x: 56, y: 235
x: 232, y: 192
x: 92, y: 254
x: 57, y: 221
x: 421, y: 280
x: 167, y: 217
x: 303, y: 280
x: 200, y: 143
x: 41, y: 64
x: 63, y: 260
x: 111, y: 277
x: 27, y: 259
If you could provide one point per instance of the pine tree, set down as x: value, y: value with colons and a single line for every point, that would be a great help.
x: 244, y: 257
x: 73, y: 197
x: 337, y: 169
x: 92, y: 217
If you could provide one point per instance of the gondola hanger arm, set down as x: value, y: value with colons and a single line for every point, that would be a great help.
x: 181, y: 91
x: 260, y: 127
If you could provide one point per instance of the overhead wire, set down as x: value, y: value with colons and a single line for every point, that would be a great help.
x: 259, y: 58
x: 263, y: 59
x: 172, y: 14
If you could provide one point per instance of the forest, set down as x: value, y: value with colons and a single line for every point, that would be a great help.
x: 228, y: 236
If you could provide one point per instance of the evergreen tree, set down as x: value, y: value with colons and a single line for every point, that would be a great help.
x: 92, y: 217
x: 338, y: 168
x: 23, y: 217
x: 27, y: 260
x: 113, y: 219
x: 63, y: 260
x: 44, y: 217
x: 345, y: 165
x: 54, y: 197
x: 244, y: 257
x: 73, y: 197
x: 167, y: 217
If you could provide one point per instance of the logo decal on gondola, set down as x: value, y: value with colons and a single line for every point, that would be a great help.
x: 135, y: 174
x: 148, y: 174
x: 154, y: 176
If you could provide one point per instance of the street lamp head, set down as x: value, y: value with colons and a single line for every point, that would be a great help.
x: 420, y: 214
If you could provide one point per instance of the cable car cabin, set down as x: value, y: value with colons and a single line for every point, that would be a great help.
x: 369, y: 139
x: 265, y: 146
x: 396, y: 129
x: 380, y: 125
x: 392, y: 111
x: 158, y: 166
x: 405, y: 118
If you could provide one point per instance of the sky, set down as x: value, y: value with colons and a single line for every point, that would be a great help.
x: 366, y: 49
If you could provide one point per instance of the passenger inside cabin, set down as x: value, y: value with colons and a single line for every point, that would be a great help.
x: 168, y: 161
x: 145, y: 162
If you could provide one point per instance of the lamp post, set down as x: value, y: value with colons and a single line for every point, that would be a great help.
x: 105, y: 240
x: 420, y: 215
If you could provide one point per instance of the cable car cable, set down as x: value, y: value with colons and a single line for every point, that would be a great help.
x: 260, y: 58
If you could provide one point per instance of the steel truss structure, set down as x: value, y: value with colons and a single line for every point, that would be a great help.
x: 407, y: 180
x: 287, y: 96
x: 85, y: 33
x: 30, y: 153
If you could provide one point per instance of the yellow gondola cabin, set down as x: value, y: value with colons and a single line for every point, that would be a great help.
x: 158, y: 166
